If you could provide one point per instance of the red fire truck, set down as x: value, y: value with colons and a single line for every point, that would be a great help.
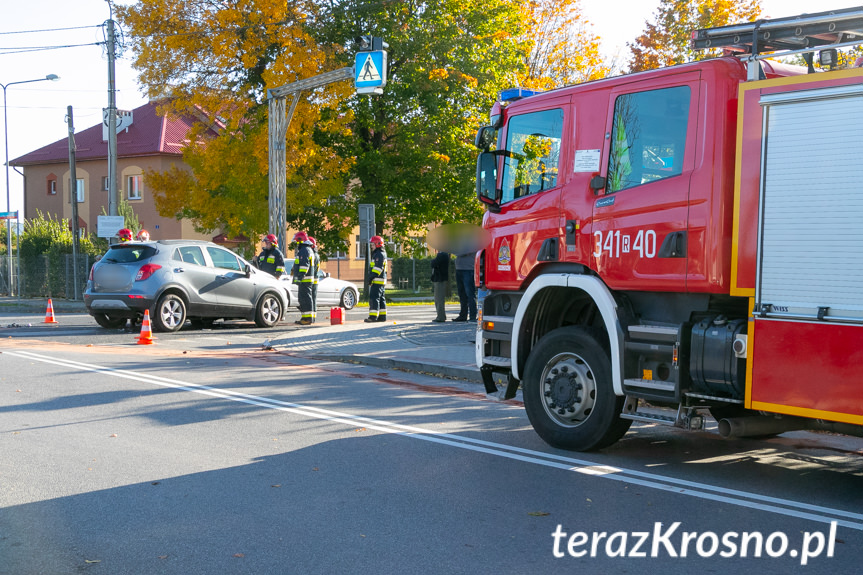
x: 689, y: 238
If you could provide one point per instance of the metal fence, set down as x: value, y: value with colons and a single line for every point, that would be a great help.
x: 47, y: 276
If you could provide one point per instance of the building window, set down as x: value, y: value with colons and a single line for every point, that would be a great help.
x: 134, y: 187
x: 52, y: 187
x: 106, y: 184
x: 339, y: 254
x: 361, y: 248
x: 80, y: 190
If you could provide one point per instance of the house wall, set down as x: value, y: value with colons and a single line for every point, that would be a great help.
x: 38, y: 197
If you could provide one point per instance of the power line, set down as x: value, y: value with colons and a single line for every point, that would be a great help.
x: 5, y: 51
x: 48, y: 30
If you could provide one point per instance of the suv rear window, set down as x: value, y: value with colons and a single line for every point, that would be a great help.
x: 126, y: 254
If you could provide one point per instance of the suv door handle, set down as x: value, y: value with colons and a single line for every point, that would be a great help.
x: 178, y: 270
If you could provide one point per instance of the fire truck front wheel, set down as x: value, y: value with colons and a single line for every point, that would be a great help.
x: 568, y: 393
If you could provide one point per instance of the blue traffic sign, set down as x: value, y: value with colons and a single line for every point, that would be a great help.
x: 370, y: 71
x: 9, y: 215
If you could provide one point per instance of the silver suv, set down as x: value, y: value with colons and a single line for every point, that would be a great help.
x: 178, y: 280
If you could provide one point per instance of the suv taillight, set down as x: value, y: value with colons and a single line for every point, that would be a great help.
x: 146, y: 271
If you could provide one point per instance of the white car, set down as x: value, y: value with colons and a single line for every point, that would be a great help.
x: 332, y: 292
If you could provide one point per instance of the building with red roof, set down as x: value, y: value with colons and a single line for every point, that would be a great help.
x: 147, y: 141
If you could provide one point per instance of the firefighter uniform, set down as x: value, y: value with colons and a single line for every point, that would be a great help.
x: 303, y: 277
x: 271, y: 261
x: 316, y: 265
x: 377, y: 302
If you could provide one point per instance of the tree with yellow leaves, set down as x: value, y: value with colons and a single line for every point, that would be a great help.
x: 215, y: 61
x: 665, y: 41
x: 563, y: 48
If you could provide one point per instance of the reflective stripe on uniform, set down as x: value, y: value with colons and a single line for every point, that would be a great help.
x: 379, y: 281
x: 373, y: 313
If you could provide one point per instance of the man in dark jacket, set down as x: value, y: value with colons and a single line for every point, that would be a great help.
x: 270, y: 259
x: 440, y: 280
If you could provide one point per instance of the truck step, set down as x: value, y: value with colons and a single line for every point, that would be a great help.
x: 662, y: 333
x: 650, y: 418
x: 497, y: 361
x: 650, y: 384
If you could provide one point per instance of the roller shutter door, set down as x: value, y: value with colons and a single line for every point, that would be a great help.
x: 811, y: 229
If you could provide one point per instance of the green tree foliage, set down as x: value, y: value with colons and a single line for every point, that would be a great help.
x: 412, y: 146
x: 45, y: 243
x: 665, y: 41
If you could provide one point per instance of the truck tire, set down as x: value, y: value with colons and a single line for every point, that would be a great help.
x: 569, y: 371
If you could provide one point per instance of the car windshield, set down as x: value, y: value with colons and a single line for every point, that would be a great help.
x: 126, y: 254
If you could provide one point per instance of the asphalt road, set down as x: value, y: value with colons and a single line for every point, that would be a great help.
x: 207, y: 456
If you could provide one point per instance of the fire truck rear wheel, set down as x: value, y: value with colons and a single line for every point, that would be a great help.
x: 568, y: 393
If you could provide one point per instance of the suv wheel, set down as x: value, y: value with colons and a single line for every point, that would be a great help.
x: 269, y: 311
x: 170, y: 313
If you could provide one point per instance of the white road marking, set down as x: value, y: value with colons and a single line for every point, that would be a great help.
x: 679, y: 486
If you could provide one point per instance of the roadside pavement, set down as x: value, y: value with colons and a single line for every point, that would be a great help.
x: 422, y: 346
x: 444, y: 349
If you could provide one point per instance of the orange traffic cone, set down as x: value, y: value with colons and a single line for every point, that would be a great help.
x: 146, y: 337
x: 49, y: 313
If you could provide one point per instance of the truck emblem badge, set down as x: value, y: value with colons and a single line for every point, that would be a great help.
x: 504, y: 256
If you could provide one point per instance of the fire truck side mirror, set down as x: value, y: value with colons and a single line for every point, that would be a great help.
x: 597, y: 183
x: 484, y: 138
x: 486, y: 180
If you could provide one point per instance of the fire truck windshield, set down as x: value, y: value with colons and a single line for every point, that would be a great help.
x: 532, y: 155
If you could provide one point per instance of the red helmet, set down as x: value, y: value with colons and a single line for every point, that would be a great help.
x: 143, y: 236
x: 271, y: 238
x: 125, y: 235
x: 377, y: 241
x: 301, y: 237
x: 313, y: 242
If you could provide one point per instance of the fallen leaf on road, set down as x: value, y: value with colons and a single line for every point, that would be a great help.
x: 276, y: 485
x: 538, y: 513
x: 238, y: 555
x: 314, y: 468
x: 113, y: 435
x: 360, y: 429
x: 92, y: 560
x: 163, y: 556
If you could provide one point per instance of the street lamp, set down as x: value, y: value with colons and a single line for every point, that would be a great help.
x: 53, y: 78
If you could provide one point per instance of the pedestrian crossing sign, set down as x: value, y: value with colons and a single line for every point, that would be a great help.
x: 370, y: 72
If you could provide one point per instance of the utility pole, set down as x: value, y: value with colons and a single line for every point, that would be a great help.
x: 73, y: 177
x: 112, y: 123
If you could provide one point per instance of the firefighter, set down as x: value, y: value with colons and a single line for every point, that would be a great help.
x: 270, y: 259
x: 125, y: 235
x: 302, y: 276
x: 316, y: 265
x: 143, y: 236
x: 378, y: 264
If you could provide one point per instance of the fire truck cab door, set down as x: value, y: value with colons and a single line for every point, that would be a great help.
x: 639, y: 225
x: 526, y: 228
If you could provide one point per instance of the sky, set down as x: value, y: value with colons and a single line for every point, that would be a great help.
x: 37, y: 111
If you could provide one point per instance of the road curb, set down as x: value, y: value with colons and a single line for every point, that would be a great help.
x: 472, y: 375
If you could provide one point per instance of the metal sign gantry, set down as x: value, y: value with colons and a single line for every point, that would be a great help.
x: 279, y: 121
